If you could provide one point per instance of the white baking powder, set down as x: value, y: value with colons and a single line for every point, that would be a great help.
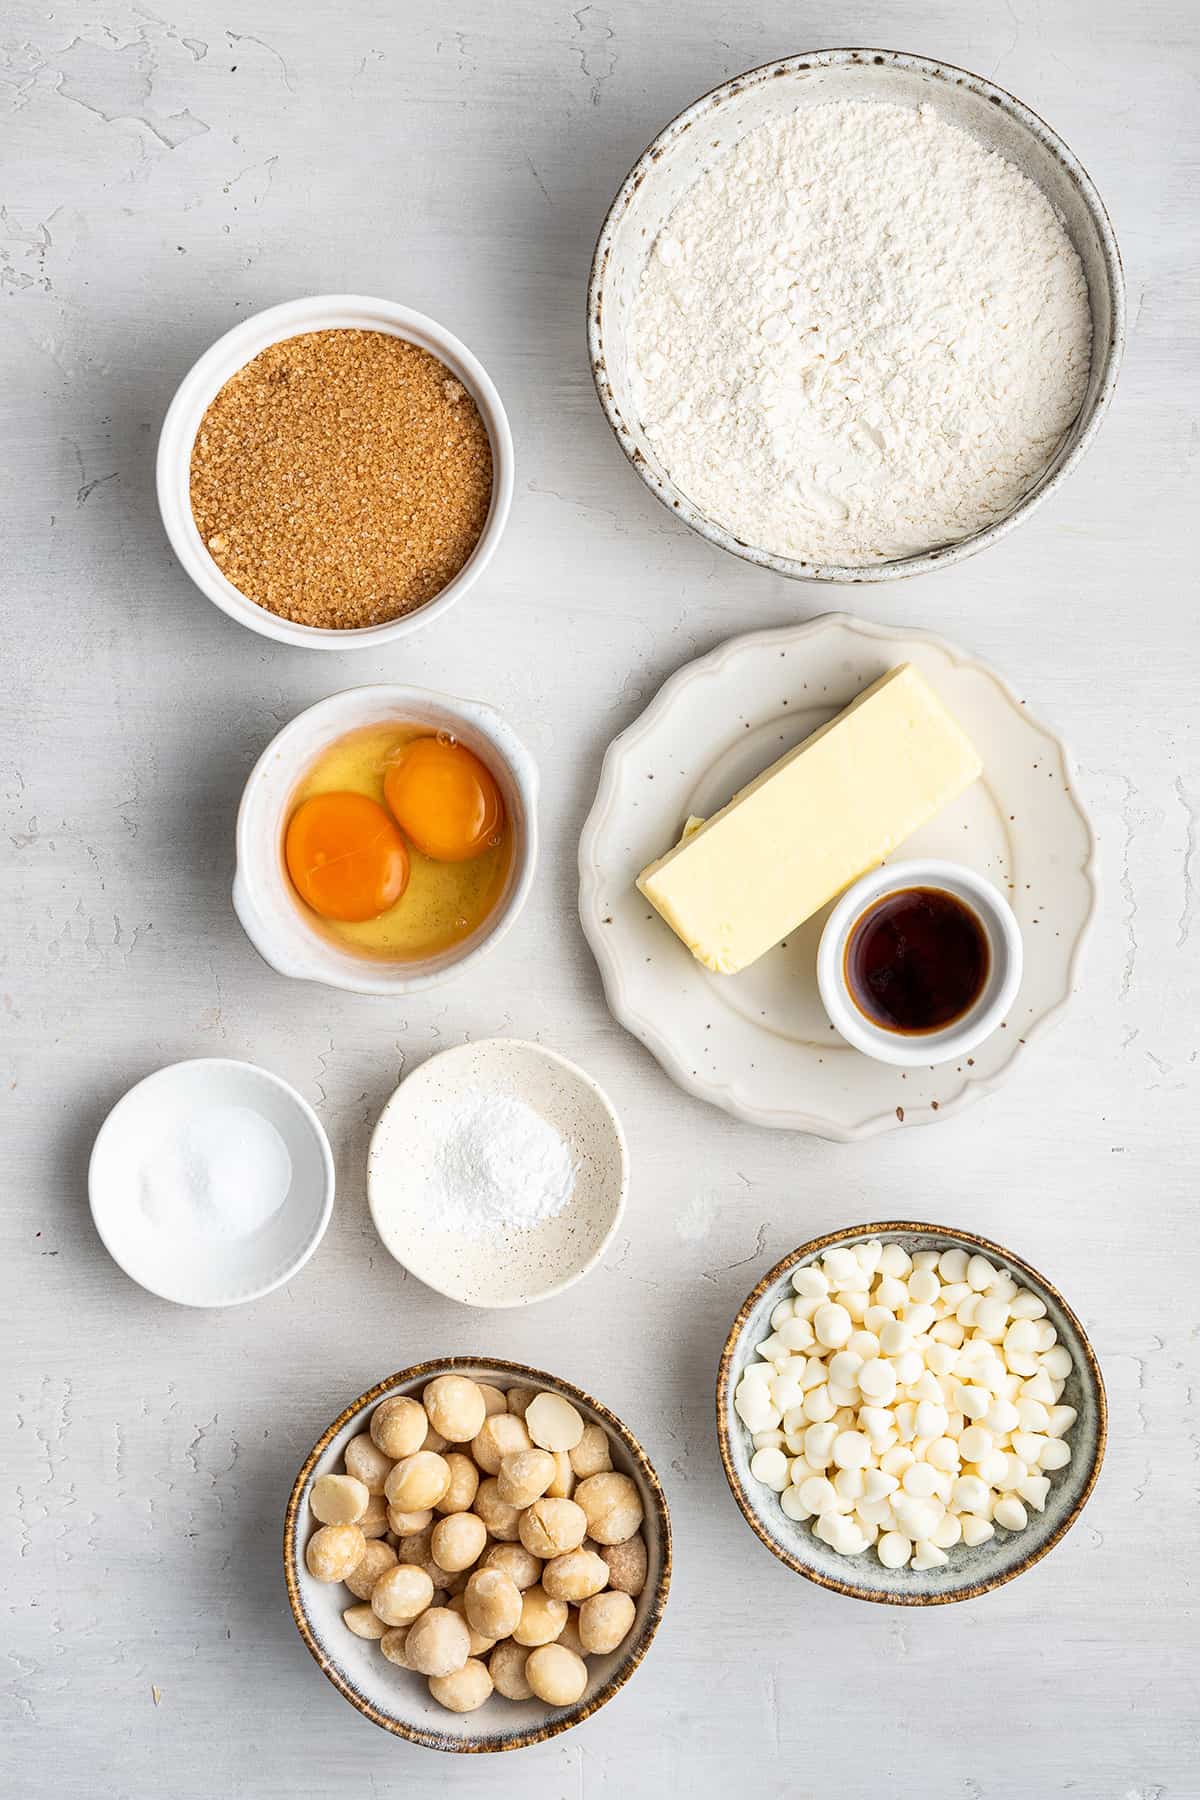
x: 499, y: 1166
x: 222, y: 1173
x: 859, y: 335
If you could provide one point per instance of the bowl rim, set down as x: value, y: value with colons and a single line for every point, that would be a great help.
x: 579, y: 1074
x: 320, y: 1138
x: 583, y: 1709
x: 960, y: 1036
x: 896, y: 1228
x: 296, y: 318
x: 943, y: 555
x: 521, y: 767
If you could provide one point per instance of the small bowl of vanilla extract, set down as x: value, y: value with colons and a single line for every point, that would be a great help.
x: 919, y: 961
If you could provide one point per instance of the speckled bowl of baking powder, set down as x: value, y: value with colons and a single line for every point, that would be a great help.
x: 399, y: 1700
x: 687, y: 146
x: 499, y: 1265
x: 968, y: 1572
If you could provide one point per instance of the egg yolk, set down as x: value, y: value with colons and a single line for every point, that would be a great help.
x: 444, y: 798
x: 345, y: 856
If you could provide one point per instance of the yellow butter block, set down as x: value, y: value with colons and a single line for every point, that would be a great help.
x: 812, y: 823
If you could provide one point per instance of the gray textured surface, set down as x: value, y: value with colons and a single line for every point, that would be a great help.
x: 168, y: 168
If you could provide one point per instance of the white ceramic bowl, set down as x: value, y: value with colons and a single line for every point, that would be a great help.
x: 159, y: 1252
x: 199, y: 387
x: 263, y: 897
x: 510, y: 1268
x: 1000, y: 989
x: 399, y: 1700
x: 664, y: 172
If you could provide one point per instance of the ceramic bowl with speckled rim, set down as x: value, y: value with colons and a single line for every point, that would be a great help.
x: 499, y: 1266
x: 397, y: 1699
x: 684, y: 148
x: 969, y: 1572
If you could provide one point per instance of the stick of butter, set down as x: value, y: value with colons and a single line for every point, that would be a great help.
x: 812, y: 823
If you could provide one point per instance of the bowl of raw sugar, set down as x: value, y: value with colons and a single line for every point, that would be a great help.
x: 497, y: 1173
x: 909, y: 1414
x: 211, y: 1182
x: 854, y: 314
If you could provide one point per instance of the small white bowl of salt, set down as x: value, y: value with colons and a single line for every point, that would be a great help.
x: 211, y: 1182
x: 497, y: 1173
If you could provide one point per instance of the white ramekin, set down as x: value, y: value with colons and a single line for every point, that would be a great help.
x: 160, y: 1254
x: 320, y: 312
x: 1004, y: 975
x: 263, y: 897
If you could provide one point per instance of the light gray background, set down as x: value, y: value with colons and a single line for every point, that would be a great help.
x: 169, y: 169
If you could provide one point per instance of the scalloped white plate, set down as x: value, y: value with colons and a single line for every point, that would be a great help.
x: 759, y: 1044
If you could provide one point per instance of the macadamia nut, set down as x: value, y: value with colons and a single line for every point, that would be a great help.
x: 495, y: 1400
x: 338, y: 1499
x: 458, y: 1540
x: 463, y: 1691
x: 493, y: 1604
x: 506, y: 1665
x: 551, y: 1527
x: 541, y: 1617
x: 364, y: 1622
x: 418, y: 1481
x: 576, y: 1575
x: 502, y: 1520
x: 376, y: 1557
x: 553, y: 1422
x: 499, y: 1436
x: 367, y: 1463
x: 525, y: 1476
x: 464, y: 1484
x: 438, y: 1643
x: 605, y: 1621
x: 516, y: 1562
x: 612, y: 1507
x: 455, y: 1407
x: 591, y: 1455
x: 398, y: 1426
x: 333, y: 1551
x: 401, y: 1594
x: 626, y: 1564
x: 556, y: 1674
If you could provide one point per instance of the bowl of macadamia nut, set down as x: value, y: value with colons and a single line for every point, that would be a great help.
x: 909, y: 1414
x: 477, y: 1554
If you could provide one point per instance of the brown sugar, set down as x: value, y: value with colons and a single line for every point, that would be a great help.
x: 341, y: 478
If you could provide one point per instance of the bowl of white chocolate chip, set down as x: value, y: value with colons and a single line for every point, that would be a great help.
x: 477, y: 1554
x: 909, y: 1414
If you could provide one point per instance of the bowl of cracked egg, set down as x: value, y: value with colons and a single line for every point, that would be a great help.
x: 477, y: 1555
x: 908, y: 1414
x: 335, y: 472
x: 386, y: 838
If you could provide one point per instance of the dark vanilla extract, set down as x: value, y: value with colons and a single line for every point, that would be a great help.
x: 917, y: 960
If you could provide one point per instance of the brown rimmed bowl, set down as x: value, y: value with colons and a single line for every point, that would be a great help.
x: 399, y: 1700
x: 969, y: 1572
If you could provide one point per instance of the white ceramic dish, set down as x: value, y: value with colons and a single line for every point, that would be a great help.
x: 202, y: 383
x: 969, y: 1572
x: 759, y: 1044
x: 399, y: 1700
x: 262, y: 894
x: 198, y: 1270
x: 514, y: 1268
x: 677, y: 156
x: 1003, y: 933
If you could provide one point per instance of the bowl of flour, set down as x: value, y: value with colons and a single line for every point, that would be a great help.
x: 854, y: 314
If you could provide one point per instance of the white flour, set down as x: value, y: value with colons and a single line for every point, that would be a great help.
x: 859, y: 335
x: 499, y: 1167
